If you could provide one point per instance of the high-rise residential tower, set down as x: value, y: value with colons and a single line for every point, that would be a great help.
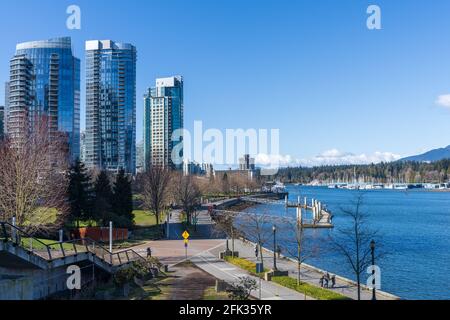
x: 163, y: 115
x: 6, y: 109
x: 2, y: 116
x: 45, y: 81
x: 110, y: 105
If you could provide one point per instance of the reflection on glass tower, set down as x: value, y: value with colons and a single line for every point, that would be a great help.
x: 45, y: 81
x: 110, y: 141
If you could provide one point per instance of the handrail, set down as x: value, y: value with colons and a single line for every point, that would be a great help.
x: 98, y: 245
x: 86, y: 242
x: 21, y: 231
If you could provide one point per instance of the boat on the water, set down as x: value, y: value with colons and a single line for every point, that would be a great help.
x: 401, y: 186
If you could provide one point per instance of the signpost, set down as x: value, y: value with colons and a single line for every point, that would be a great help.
x: 185, y: 236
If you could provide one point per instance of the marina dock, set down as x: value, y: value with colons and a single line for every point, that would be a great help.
x: 322, y: 218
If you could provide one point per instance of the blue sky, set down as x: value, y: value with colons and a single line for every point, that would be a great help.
x: 310, y: 68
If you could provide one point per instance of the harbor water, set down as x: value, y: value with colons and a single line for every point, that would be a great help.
x: 414, y: 231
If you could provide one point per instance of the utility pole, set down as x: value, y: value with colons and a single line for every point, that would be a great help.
x: 110, y: 236
x: 274, y: 229
x: 168, y: 226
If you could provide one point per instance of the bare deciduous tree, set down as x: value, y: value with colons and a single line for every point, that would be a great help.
x: 225, y: 224
x: 256, y: 228
x: 155, y: 188
x: 33, y: 181
x: 353, y: 242
x: 295, y: 239
x: 187, y: 194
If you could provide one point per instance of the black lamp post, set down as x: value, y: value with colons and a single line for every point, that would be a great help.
x: 372, y: 250
x: 274, y: 229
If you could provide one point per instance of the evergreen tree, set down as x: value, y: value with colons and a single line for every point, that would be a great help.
x: 102, y: 199
x: 79, y: 193
x: 123, y: 197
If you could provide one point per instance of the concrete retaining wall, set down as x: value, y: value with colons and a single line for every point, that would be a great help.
x: 29, y: 284
x: 16, y: 288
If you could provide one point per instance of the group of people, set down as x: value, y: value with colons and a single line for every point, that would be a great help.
x: 325, y: 281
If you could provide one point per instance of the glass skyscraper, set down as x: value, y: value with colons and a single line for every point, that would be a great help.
x: 110, y: 140
x: 45, y: 81
x: 163, y: 115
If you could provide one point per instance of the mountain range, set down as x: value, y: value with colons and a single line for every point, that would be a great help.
x: 430, y: 156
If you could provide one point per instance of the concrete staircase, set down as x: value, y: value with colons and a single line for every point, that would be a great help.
x: 17, y: 248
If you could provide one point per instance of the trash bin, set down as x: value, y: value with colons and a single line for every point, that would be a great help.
x: 259, y: 268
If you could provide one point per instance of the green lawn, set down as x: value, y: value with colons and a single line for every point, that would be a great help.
x: 308, y: 289
x: 43, y: 216
x: 143, y: 218
x: 26, y: 243
x: 246, y: 265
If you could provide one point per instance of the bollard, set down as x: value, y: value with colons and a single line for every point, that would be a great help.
x: 13, y: 230
x: 110, y: 236
x: 299, y: 216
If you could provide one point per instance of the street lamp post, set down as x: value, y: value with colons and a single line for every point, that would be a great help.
x: 372, y: 250
x: 274, y: 229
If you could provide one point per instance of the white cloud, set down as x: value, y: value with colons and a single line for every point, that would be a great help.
x: 443, y: 101
x: 329, y: 157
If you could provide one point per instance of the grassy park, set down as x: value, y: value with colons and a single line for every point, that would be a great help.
x: 308, y: 289
x: 246, y: 265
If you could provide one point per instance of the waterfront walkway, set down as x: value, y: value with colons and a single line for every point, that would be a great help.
x: 308, y: 274
x: 209, y: 262
x: 204, y: 250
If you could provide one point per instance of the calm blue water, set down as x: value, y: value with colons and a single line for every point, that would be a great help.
x: 415, y: 232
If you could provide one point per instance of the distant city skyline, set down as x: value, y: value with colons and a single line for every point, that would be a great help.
x: 337, y: 91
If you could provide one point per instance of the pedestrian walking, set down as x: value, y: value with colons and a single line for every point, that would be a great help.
x: 278, y: 252
x: 326, y: 282
x: 333, y: 281
x: 149, y: 252
x: 321, y: 281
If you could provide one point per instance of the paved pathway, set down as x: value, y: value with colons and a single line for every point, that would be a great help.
x: 208, y: 262
x: 204, y: 250
x: 309, y: 275
x: 172, y: 252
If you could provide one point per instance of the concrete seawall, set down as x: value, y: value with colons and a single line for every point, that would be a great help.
x: 225, y: 204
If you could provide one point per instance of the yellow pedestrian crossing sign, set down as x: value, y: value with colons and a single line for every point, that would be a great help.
x: 185, y: 235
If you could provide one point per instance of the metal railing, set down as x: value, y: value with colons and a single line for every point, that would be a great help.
x: 51, y: 251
